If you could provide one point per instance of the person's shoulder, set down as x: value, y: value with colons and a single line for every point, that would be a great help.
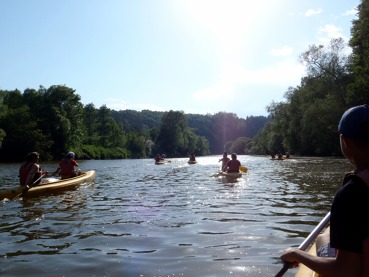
x: 351, y: 181
x: 353, y: 188
x: 34, y: 167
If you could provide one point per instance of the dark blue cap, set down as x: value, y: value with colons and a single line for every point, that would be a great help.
x: 354, y: 123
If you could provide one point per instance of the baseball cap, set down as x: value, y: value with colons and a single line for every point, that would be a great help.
x: 354, y: 123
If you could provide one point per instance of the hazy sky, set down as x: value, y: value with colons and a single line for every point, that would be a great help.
x: 197, y: 56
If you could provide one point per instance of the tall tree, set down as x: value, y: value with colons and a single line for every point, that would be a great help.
x: 137, y: 145
x: 226, y: 127
x: 2, y: 114
x: 90, y: 122
x: 359, y: 89
x: 171, y: 133
x: 105, y: 125
x: 22, y: 129
x: 63, y: 116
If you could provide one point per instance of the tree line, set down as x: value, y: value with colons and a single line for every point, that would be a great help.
x: 53, y: 121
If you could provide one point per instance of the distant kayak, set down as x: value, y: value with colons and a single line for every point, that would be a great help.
x: 277, y: 159
x: 192, y: 162
x: 163, y: 162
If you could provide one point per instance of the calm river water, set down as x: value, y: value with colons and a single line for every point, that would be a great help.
x: 141, y: 219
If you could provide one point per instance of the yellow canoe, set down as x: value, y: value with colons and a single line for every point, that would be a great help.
x: 46, y: 188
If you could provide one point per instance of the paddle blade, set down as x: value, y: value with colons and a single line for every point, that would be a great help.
x: 243, y: 169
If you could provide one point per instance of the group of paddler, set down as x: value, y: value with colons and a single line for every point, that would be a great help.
x: 30, y: 173
x: 345, y: 250
x: 279, y: 156
x: 231, y: 165
x: 228, y: 165
x: 159, y: 159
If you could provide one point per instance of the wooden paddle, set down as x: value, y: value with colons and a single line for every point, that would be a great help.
x: 243, y: 169
x: 27, y: 188
x: 309, y: 240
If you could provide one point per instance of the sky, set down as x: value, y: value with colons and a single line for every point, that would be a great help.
x: 195, y: 56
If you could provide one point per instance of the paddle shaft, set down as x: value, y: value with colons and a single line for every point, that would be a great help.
x: 309, y: 240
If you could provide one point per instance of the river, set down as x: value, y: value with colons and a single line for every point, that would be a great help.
x: 140, y: 219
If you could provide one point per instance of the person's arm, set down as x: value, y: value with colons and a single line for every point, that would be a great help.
x: 225, y: 167
x: 345, y: 264
x: 56, y: 171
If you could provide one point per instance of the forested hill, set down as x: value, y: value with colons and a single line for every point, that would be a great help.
x: 202, y: 124
x: 138, y: 120
x: 53, y: 121
x: 219, y: 129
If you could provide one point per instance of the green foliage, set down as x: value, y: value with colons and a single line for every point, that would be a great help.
x: 359, y: 88
x: 98, y: 152
x: 138, y: 121
x: 225, y: 128
x: 90, y: 124
x: 3, y: 111
x: 206, y: 126
x: 175, y: 138
x: 21, y: 137
x: 241, y: 146
x: 260, y: 144
x: 171, y: 133
x: 53, y: 121
x: 137, y: 145
x: 306, y: 123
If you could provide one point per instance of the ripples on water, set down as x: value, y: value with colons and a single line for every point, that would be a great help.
x: 141, y: 219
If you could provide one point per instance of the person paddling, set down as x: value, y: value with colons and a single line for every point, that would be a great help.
x: 349, y: 225
x: 232, y: 165
x: 66, y: 167
x: 192, y: 158
x: 224, y: 160
x: 30, y: 171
